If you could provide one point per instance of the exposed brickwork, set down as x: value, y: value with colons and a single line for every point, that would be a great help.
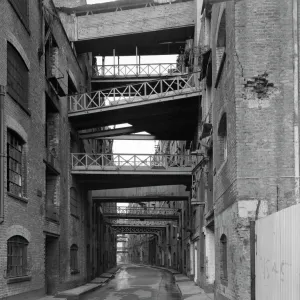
x: 26, y: 216
x: 255, y: 91
x: 20, y: 217
x: 119, y: 23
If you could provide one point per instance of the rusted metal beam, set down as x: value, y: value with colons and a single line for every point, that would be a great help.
x: 130, y: 137
x: 136, y: 199
x: 109, y: 133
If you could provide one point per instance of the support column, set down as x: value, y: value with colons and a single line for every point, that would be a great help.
x: 2, y: 97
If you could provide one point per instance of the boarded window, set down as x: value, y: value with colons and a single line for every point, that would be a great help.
x: 14, y: 164
x: 74, y: 202
x: 16, y: 256
x: 74, y: 258
x: 17, y: 77
x: 223, y: 258
x: 222, y: 133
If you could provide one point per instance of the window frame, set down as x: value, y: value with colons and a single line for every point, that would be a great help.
x: 74, y: 207
x: 224, y: 259
x: 15, y: 143
x: 17, y: 253
x: 23, y: 18
x: 17, y: 77
x: 223, y: 138
x: 74, y: 259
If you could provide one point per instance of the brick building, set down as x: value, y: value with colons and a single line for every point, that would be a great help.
x: 44, y: 210
x: 53, y: 234
x: 249, y: 81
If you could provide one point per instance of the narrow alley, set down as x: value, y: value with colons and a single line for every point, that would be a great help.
x: 149, y: 149
x: 134, y: 282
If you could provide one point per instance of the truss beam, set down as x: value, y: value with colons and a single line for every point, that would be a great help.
x: 134, y: 94
x: 136, y: 230
x: 109, y: 133
x: 124, y: 212
x: 144, y: 163
x: 137, y: 199
x: 136, y: 70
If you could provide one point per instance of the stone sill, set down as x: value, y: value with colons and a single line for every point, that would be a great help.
x: 25, y: 200
x: 18, y: 279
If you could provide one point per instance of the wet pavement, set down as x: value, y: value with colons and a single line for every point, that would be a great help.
x: 135, y: 282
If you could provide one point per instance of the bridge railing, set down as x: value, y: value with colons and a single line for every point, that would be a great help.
x: 133, y: 162
x: 130, y: 222
x: 148, y: 90
x: 125, y: 210
x: 136, y: 70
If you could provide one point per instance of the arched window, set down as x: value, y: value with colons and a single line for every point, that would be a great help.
x: 74, y: 202
x: 221, y: 40
x: 17, y: 256
x: 74, y: 259
x: 220, y: 48
x: 223, y: 258
x: 15, y: 164
x: 222, y: 134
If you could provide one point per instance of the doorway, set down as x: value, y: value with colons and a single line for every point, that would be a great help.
x: 51, y: 264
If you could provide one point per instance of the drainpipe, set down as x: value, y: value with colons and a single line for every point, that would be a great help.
x: 2, y: 97
x: 296, y: 94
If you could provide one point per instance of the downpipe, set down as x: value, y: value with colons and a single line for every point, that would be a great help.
x: 2, y: 97
x: 296, y: 94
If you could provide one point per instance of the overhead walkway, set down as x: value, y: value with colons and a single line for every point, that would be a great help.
x: 107, y: 171
x: 165, y: 108
x: 139, y: 223
x: 168, y: 164
x: 125, y: 212
x: 143, y: 194
x: 105, y: 76
x: 137, y: 230
x: 157, y: 29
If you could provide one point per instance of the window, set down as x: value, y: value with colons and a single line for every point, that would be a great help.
x: 17, y: 77
x: 221, y: 40
x: 17, y: 256
x: 15, y: 164
x: 74, y: 259
x: 223, y: 258
x: 73, y: 202
x: 21, y: 8
x: 222, y: 133
x: 221, y: 48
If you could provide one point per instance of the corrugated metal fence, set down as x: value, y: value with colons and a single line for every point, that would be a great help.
x: 277, y: 261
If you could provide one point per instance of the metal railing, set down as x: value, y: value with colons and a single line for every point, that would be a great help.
x: 145, y: 91
x: 147, y: 223
x: 136, y: 70
x: 133, y: 162
x: 139, y: 211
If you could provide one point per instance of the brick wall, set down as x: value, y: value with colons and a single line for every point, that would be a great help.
x: 119, y: 23
x: 256, y: 92
x: 24, y: 216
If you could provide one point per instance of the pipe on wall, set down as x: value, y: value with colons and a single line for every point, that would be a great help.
x: 296, y: 94
x: 2, y: 97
